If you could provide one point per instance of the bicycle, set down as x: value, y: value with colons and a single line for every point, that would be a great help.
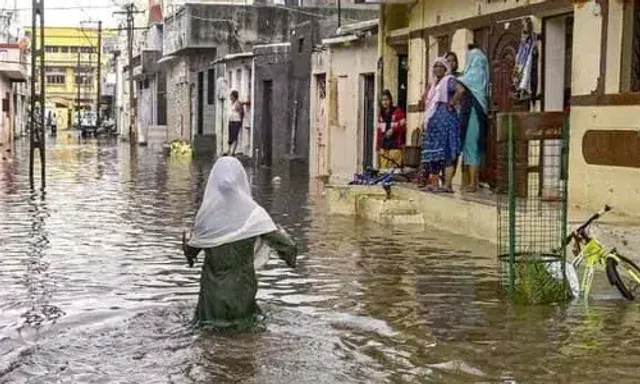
x: 588, y: 249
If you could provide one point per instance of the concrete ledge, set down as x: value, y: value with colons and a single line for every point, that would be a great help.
x: 474, y: 216
x: 385, y: 211
x: 451, y: 213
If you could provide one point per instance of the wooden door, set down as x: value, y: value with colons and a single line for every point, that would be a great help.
x: 369, y: 130
x: 320, y: 124
x: 200, y: 101
x: 502, y: 45
x: 267, y: 123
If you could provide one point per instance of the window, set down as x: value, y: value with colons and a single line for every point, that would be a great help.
x: 55, y: 79
x: 50, y: 49
x: 84, y: 79
x: 54, y: 70
x: 630, y: 60
x: 73, y: 49
x: 444, y: 45
x: 64, y: 49
x: 86, y: 49
x: 635, y: 66
x: 300, y: 44
x: 211, y: 86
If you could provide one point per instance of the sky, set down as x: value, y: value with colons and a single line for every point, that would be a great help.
x: 60, y: 13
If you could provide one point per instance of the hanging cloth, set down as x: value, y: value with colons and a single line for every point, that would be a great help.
x: 525, y: 78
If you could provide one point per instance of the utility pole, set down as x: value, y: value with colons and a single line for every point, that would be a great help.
x: 37, y: 112
x: 78, y: 82
x: 129, y: 11
x: 98, y: 96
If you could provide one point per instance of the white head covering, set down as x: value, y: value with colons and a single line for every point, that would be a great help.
x: 228, y: 212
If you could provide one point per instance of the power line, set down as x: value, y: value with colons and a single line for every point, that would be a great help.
x: 63, y: 8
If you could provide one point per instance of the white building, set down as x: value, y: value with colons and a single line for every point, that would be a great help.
x: 238, y: 70
x: 123, y: 108
x: 344, y: 103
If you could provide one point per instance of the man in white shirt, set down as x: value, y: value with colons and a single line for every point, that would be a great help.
x: 236, y: 116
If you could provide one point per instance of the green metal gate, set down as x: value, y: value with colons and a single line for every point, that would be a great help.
x: 532, y: 206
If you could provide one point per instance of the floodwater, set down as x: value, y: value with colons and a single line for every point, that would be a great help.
x: 94, y: 289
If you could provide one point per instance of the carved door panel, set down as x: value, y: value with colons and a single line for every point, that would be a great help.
x: 502, y: 49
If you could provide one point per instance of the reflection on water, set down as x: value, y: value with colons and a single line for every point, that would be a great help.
x: 95, y: 290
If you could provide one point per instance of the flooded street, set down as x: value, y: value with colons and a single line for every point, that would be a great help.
x: 95, y: 289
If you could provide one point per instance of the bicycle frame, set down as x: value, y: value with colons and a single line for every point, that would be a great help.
x: 594, y: 255
x: 592, y: 252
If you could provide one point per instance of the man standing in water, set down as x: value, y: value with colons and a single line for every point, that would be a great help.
x: 236, y: 116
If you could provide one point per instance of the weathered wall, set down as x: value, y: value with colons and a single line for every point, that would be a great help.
x: 200, y: 61
x: 303, y: 39
x: 241, y: 27
x: 592, y: 185
x: 272, y: 63
x: 347, y: 65
x: 178, y: 118
x: 237, y: 29
x: 145, y: 108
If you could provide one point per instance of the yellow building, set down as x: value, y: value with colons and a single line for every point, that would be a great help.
x: 71, y: 55
x: 588, y: 54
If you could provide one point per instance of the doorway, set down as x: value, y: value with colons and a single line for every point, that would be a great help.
x: 501, y: 46
x: 557, y: 59
x: 403, y: 71
x: 320, y: 124
x: 200, y: 101
x: 267, y: 123
x: 368, y: 128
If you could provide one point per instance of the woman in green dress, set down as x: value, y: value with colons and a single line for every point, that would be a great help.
x: 230, y: 227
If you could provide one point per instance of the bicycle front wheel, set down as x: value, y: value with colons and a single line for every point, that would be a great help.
x: 628, y: 283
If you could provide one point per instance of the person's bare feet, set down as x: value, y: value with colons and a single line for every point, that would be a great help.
x: 471, y: 189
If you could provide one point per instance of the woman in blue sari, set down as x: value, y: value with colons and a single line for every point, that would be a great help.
x: 475, y: 80
x: 441, y: 146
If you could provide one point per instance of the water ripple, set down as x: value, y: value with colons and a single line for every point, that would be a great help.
x: 95, y: 290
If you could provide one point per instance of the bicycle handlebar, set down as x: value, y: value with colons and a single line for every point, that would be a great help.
x: 583, y: 226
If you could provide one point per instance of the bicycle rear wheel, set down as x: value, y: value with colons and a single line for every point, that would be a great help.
x: 629, y: 282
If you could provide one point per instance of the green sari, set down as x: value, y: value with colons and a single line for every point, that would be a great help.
x: 228, y: 286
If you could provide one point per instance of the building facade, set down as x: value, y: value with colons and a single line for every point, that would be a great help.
x: 198, y: 34
x: 13, y: 77
x: 587, y: 65
x: 126, y: 112
x: 344, y: 102
x: 71, y: 70
x: 150, y: 79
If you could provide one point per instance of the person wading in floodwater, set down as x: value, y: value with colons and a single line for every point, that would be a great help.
x: 230, y: 226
